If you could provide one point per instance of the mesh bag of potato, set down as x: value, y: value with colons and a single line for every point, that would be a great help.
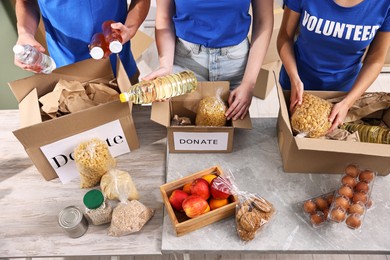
x: 93, y: 159
x: 211, y: 112
x: 252, y: 210
x: 311, y: 117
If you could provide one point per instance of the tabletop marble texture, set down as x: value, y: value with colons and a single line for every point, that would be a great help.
x: 257, y: 167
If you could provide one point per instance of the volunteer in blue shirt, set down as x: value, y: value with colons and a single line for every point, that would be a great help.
x: 70, y: 24
x: 332, y: 37
x: 209, y: 37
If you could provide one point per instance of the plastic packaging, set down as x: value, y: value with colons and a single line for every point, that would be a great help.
x: 211, y: 112
x: 161, y: 88
x: 98, y: 210
x: 98, y: 48
x: 93, y: 159
x: 29, y: 55
x: 316, y: 209
x: 368, y: 133
x: 114, y: 181
x: 112, y: 36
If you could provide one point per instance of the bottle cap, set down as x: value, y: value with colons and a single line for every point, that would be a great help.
x: 93, y: 199
x: 18, y: 49
x: 97, y: 53
x: 123, y: 97
x: 115, y: 47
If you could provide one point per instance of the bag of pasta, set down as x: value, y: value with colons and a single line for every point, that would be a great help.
x: 93, y: 159
x: 311, y: 117
x: 114, y: 181
x: 211, y: 112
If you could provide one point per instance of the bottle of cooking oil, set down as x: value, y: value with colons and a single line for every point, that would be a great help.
x: 161, y: 88
x: 98, y: 48
x: 29, y: 55
x: 113, y: 37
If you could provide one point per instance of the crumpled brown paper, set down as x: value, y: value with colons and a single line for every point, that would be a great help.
x: 72, y: 96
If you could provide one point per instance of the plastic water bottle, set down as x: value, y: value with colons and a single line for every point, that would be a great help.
x: 161, y: 88
x: 98, y: 47
x: 29, y: 55
x: 113, y: 37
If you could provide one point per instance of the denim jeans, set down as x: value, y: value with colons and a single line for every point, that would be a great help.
x: 212, y: 64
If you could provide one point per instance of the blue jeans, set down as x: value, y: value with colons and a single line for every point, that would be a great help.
x: 212, y: 64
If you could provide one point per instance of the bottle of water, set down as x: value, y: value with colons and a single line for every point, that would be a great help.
x: 161, y: 88
x: 29, y: 55
x: 113, y: 37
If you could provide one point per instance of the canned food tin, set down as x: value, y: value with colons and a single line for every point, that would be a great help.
x: 73, y: 222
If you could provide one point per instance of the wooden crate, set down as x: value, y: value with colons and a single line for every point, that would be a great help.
x: 181, y: 223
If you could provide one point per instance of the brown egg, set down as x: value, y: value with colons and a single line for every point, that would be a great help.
x: 309, y: 206
x: 357, y: 208
x: 359, y: 196
x: 348, y: 181
x: 353, y: 221
x: 341, y: 202
x: 330, y: 199
x: 317, y: 218
x: 366, y: 176
x: 321, y: 203
x: 352, y: 170
x: 369, y: 204
x: 337, y: 214
x: 346, y: 192
x: 362, y: 187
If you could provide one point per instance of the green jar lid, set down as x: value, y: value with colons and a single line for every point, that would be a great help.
x: 93, y: 199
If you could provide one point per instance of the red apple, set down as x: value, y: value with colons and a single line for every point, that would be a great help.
x: 195, y: 206
x: 200, y: 187
x: 176, y: 199
x: 219, y: 188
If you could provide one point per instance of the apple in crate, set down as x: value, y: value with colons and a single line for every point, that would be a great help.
x: 195, y: 206
x: 219, y: 188
x: 176, y: 199
x: 200, y: 187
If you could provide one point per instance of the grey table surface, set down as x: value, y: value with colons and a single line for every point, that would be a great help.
x: 30, y: 205
x: 257, y: 167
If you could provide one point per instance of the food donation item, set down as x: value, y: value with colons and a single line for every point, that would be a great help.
x: 161, y: 88
x: 98, y: 210
x: 98, y: 48
x: 93, y: 159
x: 112, y: 36
x: 316, y: 209
x: 29, y: 55
x: 116, y: 180
x: 72, y: 221
x: 211, y: 112
x: 311, y: 117
x: 368, y: 133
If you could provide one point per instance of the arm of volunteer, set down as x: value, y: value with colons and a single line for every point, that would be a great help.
x: 372, y: 66
x: 241, y: 98
x: 165, y: 38
x: 285, y: 46
x: 138, y: 10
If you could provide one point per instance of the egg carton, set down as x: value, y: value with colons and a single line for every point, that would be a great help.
x: 316, y: 209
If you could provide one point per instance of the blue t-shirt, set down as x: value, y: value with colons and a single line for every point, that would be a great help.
x: 332, y: 41
x: 212, y: 23
x: 70, y: 24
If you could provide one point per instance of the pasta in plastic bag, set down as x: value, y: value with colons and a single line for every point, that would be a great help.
x: 93, y: 159
x: 211, y: 112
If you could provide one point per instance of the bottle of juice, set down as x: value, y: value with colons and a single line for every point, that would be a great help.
x: 29, y: 55
x: 98, y: 47
x: 161, y: 88
x: 112, y: 36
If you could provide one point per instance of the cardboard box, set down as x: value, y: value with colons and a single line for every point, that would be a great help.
x: 181, y: 223
x: 50, y: 143
x: 182, y: 139
x: 310, y: 155
x: 265, y: 80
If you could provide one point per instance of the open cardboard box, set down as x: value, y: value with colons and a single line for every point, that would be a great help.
x: 181, y: 223
x: 62, y: 134
x: 193, y: 138
x: 311, y: 155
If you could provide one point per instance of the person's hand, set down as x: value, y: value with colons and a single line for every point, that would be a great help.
x: 126, y: 32
x: 162, y: 71
x: 296, y: 95
x: 338, y: 114
x: 29, y: 39
x: 239, y: 101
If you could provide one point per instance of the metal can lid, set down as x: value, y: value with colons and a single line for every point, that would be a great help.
x: 93, y: 199
x: 70, y: 217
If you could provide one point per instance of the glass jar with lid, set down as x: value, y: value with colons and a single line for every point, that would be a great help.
x: 98, y: 211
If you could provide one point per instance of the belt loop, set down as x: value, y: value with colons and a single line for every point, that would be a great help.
x: 224, y: 51
x: 196, y: 48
